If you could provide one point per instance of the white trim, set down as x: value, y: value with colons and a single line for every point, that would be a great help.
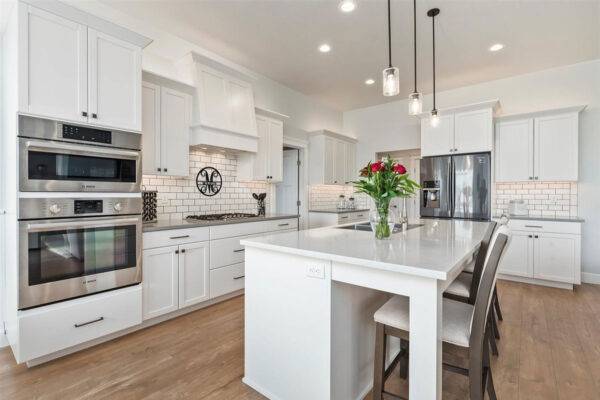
x: 270, y: 113
x: 564, y: 110
x: 303, y: 193
x: 295, y: 142
x: 541, y: 282
x: 340, y: 136
x: 590, y: 277
x: 144, y: 324
x: 493, y: 104
x: 3, y: 340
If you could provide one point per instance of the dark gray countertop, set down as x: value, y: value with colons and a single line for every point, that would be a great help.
x: 542, y: 218
x: 163, y: 225
x: 339, y: 210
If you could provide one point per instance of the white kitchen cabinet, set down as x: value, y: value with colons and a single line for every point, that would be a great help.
x: 73, y: 72
x: 332, y: 158
x: 319, y: 219
x: 165, y: 130
x: 114, y: 81
x: 438, y: 140
x: 53, y: 55
x: 540, y: 147
x: 556, y: 147
x: 518, y: 259
x: 193, y: 273
x: 556, y: 256
x: 267, y: 163
x: 514, y: 151
x: 161, y: 281
x: 473, y: 131
x: 226, y: 279
x: 224, y: 102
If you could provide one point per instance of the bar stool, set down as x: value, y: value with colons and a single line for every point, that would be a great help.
x: 464, y: 328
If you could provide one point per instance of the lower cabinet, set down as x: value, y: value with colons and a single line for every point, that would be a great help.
x: 175, y: 277
x: 226, y: 279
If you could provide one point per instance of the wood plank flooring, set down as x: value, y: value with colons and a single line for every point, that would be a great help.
x: 550, y: 349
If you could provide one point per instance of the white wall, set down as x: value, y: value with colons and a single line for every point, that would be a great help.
x: 387, y: 127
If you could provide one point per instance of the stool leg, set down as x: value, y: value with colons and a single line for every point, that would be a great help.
x: 495, y: 324
x: 379, y: 362
x: 404, y: 346
x: 497, y: 304
x: 491, y: 338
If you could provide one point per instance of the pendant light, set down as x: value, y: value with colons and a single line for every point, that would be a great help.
x: 434, y: 119
x: 391, y: 75
x: 415, y: 99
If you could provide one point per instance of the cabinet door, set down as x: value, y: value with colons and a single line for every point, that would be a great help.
x: 160, y: 281
x: 213, y: 98
x: 241, y: 105
x: 193, y: 273
x: 556, y: 148
x: 53, y: 73
x: 261, y: 160
x: 340, y: 163
x: 514, y: 151
x: 556, y: 257
x: 351, y: 171
x: 329, y: 161
x: 151, y: 129
x: 174, y: 132
x: 437, y: 140
x: 275, y: 153
x: 473, y: 131
x: 115, y: 79
x: 519, y: 256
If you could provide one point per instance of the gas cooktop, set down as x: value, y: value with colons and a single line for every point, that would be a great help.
x: 220, y: 217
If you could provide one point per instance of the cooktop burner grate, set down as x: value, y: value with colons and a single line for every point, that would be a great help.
x: 219, y: 217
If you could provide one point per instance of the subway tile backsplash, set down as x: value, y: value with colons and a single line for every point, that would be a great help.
x: 179, y: 197
x: 548, y: 199
x: 324, y: 197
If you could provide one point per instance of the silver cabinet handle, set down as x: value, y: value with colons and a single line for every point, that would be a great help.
x: 283, y: 225
x: 239, y: 250
x: 533, y: 226
x: 89, y: 322
x: 180, y: 237
x: 346, y: 217
x: 239, y: 277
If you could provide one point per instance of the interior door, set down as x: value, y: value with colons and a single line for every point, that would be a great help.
x: 275, y: 153
x: 439, y: 140
x: 174, y: 133
x: 556, y: 148
x: 115, y: 79
x: 287, y: 190
x: 194, y: 270
x: 160, y: 281
x: 518, y: 259
x: 514, y: 151
x: 151, y: 142
x: 54, y: 50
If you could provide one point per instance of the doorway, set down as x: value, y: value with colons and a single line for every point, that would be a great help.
x: 287, y: 196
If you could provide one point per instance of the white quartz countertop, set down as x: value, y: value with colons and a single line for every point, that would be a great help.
x: 433, y: 250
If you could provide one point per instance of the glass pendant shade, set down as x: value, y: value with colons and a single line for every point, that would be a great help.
x: 415, y: 104
x: 391, y: 81
x: 434, y: 119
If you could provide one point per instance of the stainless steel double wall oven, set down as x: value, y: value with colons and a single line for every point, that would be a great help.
x: 80, y: 226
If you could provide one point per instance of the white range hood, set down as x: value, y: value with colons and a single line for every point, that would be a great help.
x: 223, y: 108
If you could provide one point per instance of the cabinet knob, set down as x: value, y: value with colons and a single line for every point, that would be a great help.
x: 183, y: 250
x: 158, y: 169
x: 537, y: 177
x: 536, y: 236
x: 455, y: 149
x: 165, y: 170
x: 530, y: 236
x: 176, y: 251
x: 531, y: 178
x: 83, y: 113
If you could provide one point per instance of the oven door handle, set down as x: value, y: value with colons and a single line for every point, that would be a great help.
x: 79, y: 149
x: 83, y: 224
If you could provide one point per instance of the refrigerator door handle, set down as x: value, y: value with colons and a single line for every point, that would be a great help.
x: 451, y: 185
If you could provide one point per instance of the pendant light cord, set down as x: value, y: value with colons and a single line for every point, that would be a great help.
x: 389, y: 35
x: 433, y: 31
x: 415, y: 39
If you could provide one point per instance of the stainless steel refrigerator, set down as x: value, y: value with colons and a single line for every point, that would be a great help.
x: 456, y: 186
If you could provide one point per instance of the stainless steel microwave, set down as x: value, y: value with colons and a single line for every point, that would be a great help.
x: 61, y: 157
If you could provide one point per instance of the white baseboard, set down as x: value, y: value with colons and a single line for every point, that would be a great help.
x: 259, y: 389
x: 3, y: 340
x: 532, y: 281
x: 590, y: 277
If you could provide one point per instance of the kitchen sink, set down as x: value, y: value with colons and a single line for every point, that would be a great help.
x: 365, y: 226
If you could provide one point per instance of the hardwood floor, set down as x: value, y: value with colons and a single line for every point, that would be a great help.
x: 550, y: 349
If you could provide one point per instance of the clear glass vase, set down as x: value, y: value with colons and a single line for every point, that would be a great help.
x: 382, y: 219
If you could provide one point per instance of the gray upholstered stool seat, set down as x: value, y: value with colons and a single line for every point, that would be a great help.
x: 461, y: 285
x: 456, y: 319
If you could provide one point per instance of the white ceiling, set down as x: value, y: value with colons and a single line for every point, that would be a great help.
x: 279, y: 39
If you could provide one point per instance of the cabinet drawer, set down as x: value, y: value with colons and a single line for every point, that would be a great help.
x: 251, y: 228
x: 226, y: 251
x: 48, y: 329
x: 226, y: 280
x: 281, y: 224
x: 174, y: 237
x: 573, y: 228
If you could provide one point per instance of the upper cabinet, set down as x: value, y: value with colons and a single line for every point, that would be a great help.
x: 461, y: 130
x: 332, y: 158
x: 165, y: 129
x: 267, y: 163
x: 72, y: 71
x: 540, y: 147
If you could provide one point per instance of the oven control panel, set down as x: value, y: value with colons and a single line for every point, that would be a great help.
x: 60, y: 207
x: 86, y: 134
x: 88, y: 206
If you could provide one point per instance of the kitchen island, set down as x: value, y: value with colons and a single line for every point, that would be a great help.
x: 311, y: 296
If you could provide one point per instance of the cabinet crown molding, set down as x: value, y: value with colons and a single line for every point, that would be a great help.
x: 493, y: 104
x: 334, y: 135
x: 541, y: 113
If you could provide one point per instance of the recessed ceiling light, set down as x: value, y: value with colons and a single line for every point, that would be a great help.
x: 496, y: 47
x: 325, y: 48
x: 369, y: 81
x: 347, y: 6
